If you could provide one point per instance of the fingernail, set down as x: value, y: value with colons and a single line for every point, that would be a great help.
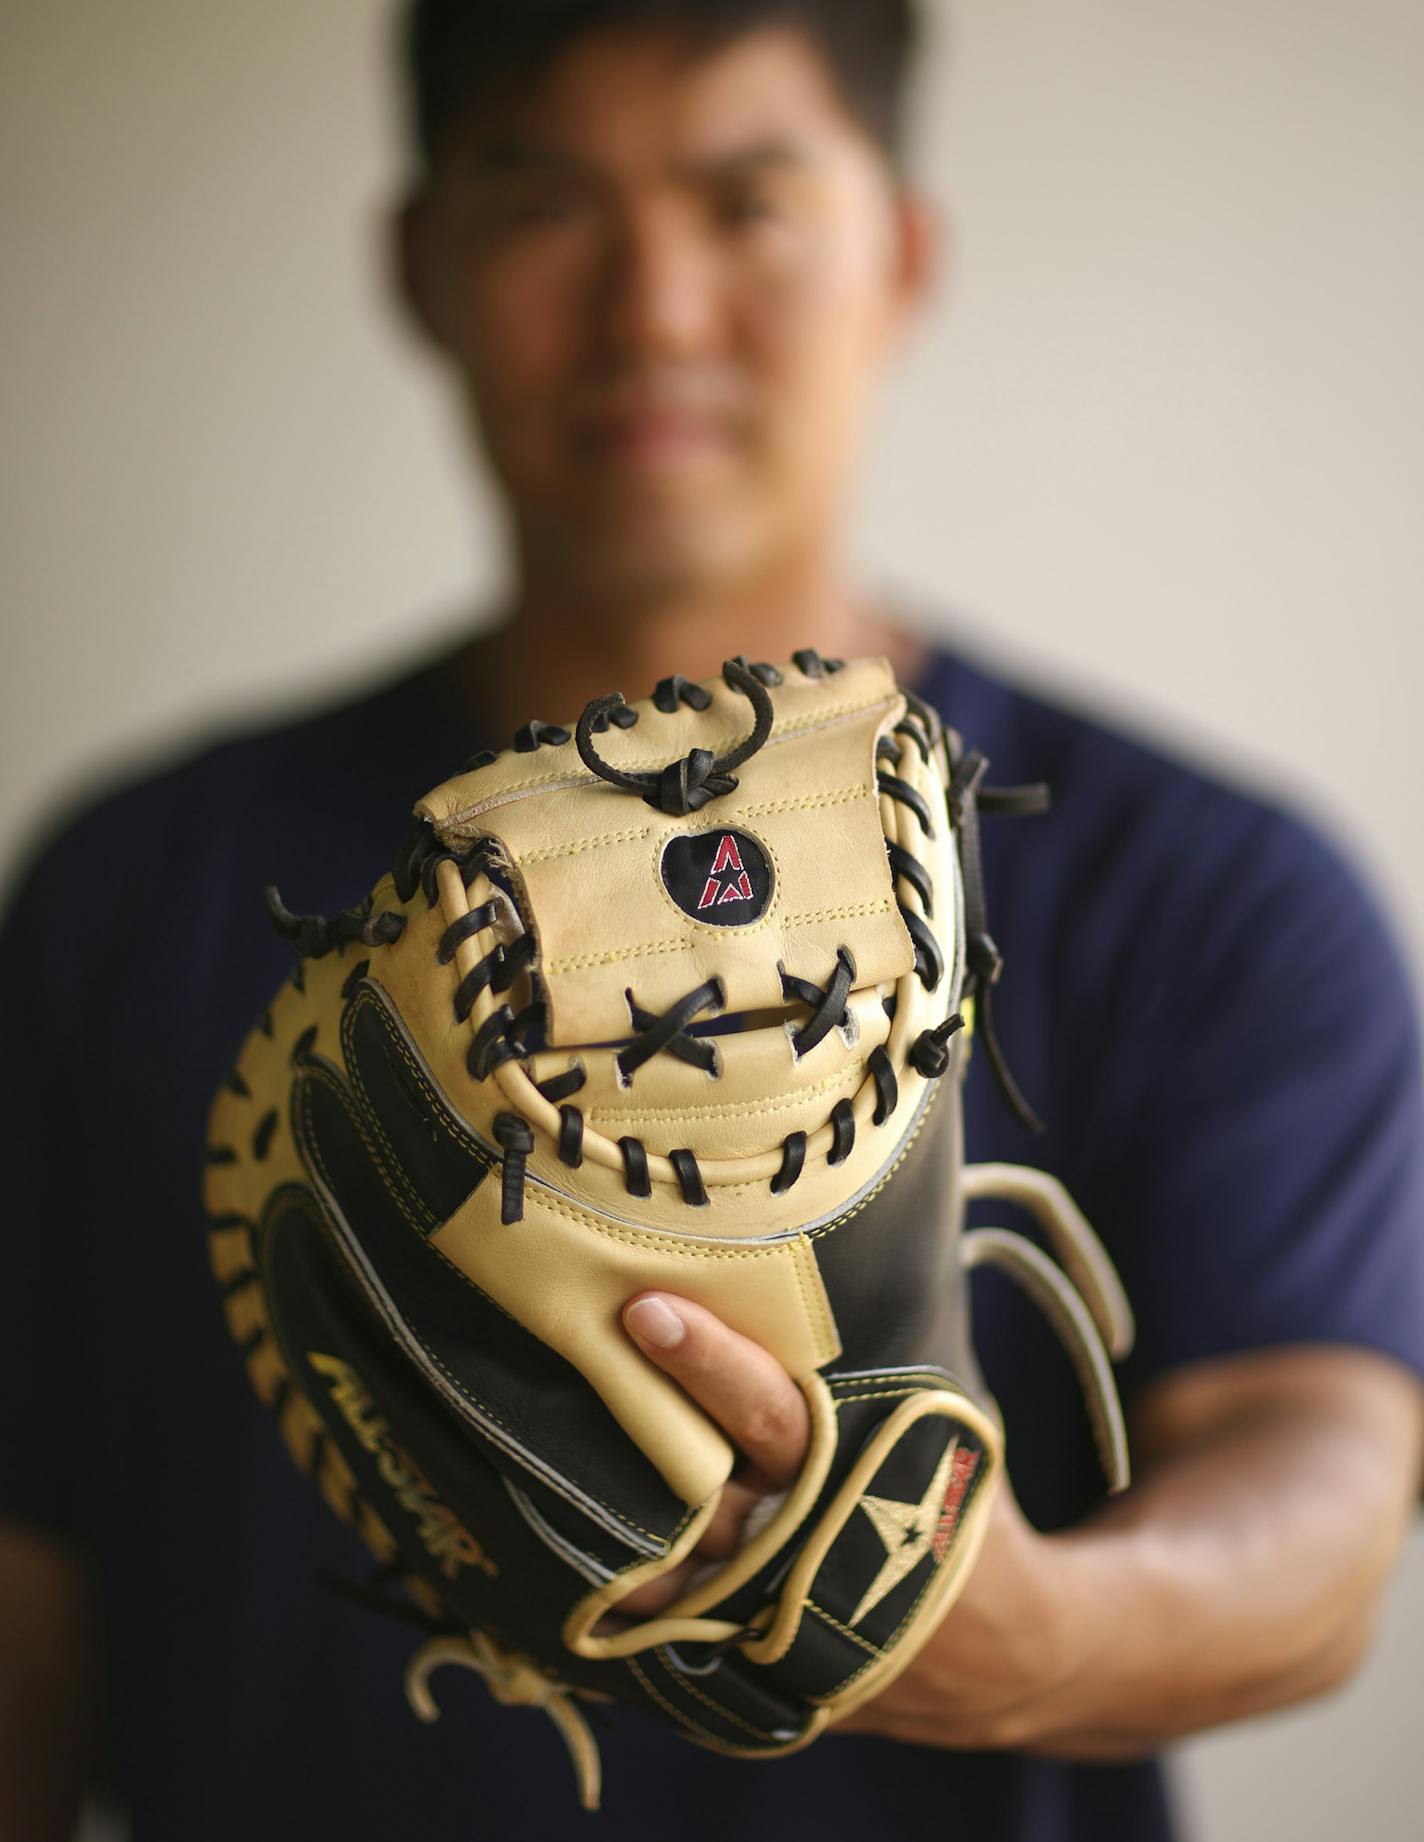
x: 653, y: 1320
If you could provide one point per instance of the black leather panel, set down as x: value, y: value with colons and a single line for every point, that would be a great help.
x: 892, y: 1269
x: 426, y: 1144
x: 524, y: 1393
x: 823, y: 1655
x: 386, y: 1425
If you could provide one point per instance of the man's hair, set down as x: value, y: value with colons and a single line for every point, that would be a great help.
x: 459, y: 52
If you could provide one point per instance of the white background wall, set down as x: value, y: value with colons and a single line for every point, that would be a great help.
x: 1162, y: 444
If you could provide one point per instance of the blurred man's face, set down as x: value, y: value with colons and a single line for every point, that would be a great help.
x: 668, y: 285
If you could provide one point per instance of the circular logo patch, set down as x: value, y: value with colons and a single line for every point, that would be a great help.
x: 720, y: 877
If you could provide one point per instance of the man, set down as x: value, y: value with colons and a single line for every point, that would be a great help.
x: 667, y: 252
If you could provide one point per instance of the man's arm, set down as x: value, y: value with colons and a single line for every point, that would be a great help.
x: 45, y: 1681
x: 1241, y: 1572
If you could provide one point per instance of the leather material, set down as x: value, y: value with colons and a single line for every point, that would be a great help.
x: 575, y: 1046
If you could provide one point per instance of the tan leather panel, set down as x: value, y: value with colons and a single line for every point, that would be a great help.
x: 759, y: 1092
x: 586, y: 859
x: 458, y: 805
x: 422, y: 993
x: 566, y: 1274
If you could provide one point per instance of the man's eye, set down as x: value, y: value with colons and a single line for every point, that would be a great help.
x: 533, y: 209
x: 748, y: 208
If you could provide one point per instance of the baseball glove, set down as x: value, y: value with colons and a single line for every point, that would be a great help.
x: 680, y: 1000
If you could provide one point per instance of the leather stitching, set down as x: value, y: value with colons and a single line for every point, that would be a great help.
x: 584, y: 962
x: 838, y: 796
x: 736, y: 1720
x: 733, y: 1110
x: 855, y: 911
x: 553, y: 1479
x: 845, y: 1630
x: 580, y: 845
x: 682, y: 1719
x: 790, y: 726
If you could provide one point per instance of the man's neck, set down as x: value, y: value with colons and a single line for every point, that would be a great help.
x: 548, y: 657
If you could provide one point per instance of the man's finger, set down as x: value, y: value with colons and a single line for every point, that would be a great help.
x: 741, y: 1385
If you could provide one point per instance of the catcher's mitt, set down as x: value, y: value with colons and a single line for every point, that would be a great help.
x: 681, y: 1001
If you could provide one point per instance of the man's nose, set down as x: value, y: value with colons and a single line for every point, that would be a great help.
x: 657, y: 293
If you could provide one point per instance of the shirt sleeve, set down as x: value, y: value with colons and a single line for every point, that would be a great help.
x: 41, y: 1341
x: 1268, y: 1184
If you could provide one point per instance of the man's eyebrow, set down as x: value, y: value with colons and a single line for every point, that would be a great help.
x: 501, y: 158
x: 771, y: 151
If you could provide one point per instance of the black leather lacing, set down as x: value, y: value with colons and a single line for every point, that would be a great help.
x: 635, y: 1167
x: 685, y: 785
x: 668, y: 1031
x: 689, y: 1177
x: 668, y: 693
x: 766, y: 674
x: 842, y: 1132
x: 828, y: 1006
x: 810, y: 664
x: 314, y: 936
x: 967, y: 797
x: 905, y: 866
x: 498, y: 969
x: 537, y: 735
x: 887, y: 1088
x: 515, y: 1137
x: 929, y: 1053
x: 793, y: 1160
x: 460, y: 929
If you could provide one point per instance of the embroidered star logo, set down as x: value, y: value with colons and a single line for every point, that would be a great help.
x: 910, y: 1531
x: 728, y: 864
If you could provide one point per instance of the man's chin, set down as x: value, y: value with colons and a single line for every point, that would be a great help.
x: 655, y: 564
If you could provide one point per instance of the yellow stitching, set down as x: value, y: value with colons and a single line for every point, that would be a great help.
x: 577, y: 1490
x: 816, y: 1234
x: 905, y: 1384
x: 844, y: 1630
x: 436, y: 1100
x: 317, y: 1073
x: 461, y: 1387
x: 585, y: 844
x: 679, y: 1714
x: 855, y: 911
x: 757, y: 1733
x: 792, y: 725
x: 662, y: 1243
x: 817, y: 1305
x: 729, y: 1109
x: 884, y: 1394
x: 584, y: 962
x: 839, y: 796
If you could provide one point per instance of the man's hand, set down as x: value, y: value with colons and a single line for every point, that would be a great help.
x: 750, y: 1396
x: 1006, y: 1648
x: 1240, y: 1573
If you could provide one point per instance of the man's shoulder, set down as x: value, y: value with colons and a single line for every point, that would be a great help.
x: 271, y: 781
x: 252, y: 777
x: 1134, y: 812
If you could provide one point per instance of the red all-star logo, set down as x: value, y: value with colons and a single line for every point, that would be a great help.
x: 726, y: 881
x: 962, y: 1470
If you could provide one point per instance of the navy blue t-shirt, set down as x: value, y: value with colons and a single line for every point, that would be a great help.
x: 1199, y: 996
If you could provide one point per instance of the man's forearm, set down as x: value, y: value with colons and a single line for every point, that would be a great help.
x: 1241, y: 1572
x: 44, y: 1687
x: 1239, y: 1575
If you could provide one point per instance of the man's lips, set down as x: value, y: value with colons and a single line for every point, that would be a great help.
x: 654, y: 438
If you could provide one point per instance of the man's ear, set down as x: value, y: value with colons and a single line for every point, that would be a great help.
x: 922, y: 248
x: 411, y: 271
